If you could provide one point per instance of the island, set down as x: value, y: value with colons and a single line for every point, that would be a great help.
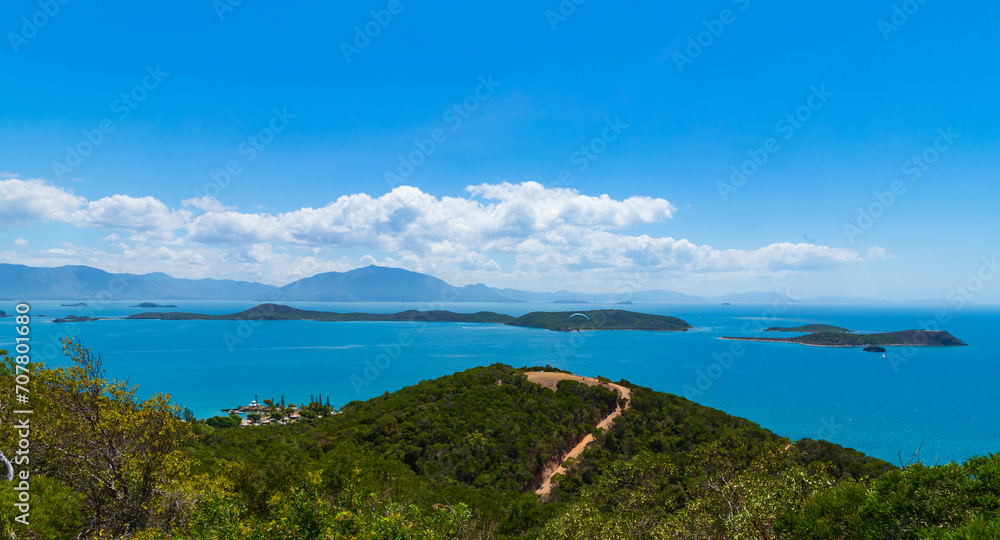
x: 569, y: 301
x: 912, y: 338
x: 81, y: 304
x: 808, y: 328
x: 2, y: 313
x: 152, y: 305
x: 875, y: 349
x: 73, y: 318
x: 565, y: 321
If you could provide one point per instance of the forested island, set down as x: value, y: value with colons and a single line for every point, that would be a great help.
x: 74, y: 319
x: 913, y: 338
x: 152, y: 305
x: 601, y: 319
x: 812, y: 328
x: 459, y: 457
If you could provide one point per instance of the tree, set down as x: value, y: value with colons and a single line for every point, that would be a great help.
x: 282, y: 401
x: 254, y: 417
x: 223, y: 422
x: 93, y: 435
x: 189, y: 416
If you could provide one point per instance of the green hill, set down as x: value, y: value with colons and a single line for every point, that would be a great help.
x: 458, y: 458
x: 813, y: 328
x: 601, y: 319
x: 916, y: 338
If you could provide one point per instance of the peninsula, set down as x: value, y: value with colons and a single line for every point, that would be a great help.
x: 912, y: 338
x: 564, y: 321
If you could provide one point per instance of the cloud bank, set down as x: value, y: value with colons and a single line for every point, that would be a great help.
x: 505, y: 234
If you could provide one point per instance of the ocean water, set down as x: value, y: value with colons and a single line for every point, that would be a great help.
x: 938, y: 400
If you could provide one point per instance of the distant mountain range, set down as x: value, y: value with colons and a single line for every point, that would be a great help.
x: 369, y: 284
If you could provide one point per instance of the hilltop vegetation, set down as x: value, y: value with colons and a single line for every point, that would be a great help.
x: 457, y: 457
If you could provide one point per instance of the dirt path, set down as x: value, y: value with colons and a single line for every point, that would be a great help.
x: 550, y: 381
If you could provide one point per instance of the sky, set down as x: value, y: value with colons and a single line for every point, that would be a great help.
x: 832, y: 149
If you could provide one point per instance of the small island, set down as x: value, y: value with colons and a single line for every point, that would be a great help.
x: 2, y: 313
x: 808, y: 328
x: 81, y: 304
x: 569, y: 301
x: 911, y: 338
x: 565, y: 321
x: 150, y: 305
x: 875, y: 349
x: 73, y: 318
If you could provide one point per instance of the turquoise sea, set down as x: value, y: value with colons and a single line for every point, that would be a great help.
x: 941, y: 400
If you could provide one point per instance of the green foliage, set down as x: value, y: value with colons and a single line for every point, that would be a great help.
x: 843, y: 462
x: 910, y: 503
x: 483, y: 427
x: 117, y: 454
x: 224, y: 422
x: 458, y: 458
x: 56, y: 511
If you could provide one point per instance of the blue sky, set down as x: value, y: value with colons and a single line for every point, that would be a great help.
x: 648, y: 123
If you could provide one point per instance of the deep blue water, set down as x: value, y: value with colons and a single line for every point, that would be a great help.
x: 942, y: 398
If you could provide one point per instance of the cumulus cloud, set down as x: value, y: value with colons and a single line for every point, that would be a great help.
x: 499, y: 233
x: 142, y: 214
x: 23, y: 202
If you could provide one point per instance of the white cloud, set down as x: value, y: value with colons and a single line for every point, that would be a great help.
x: 21, y: 242
x: 142, y: 214
x: 504, y: 234
x: 25, y: 201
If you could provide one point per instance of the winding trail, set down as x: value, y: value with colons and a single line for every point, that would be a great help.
x: 550, y: 381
